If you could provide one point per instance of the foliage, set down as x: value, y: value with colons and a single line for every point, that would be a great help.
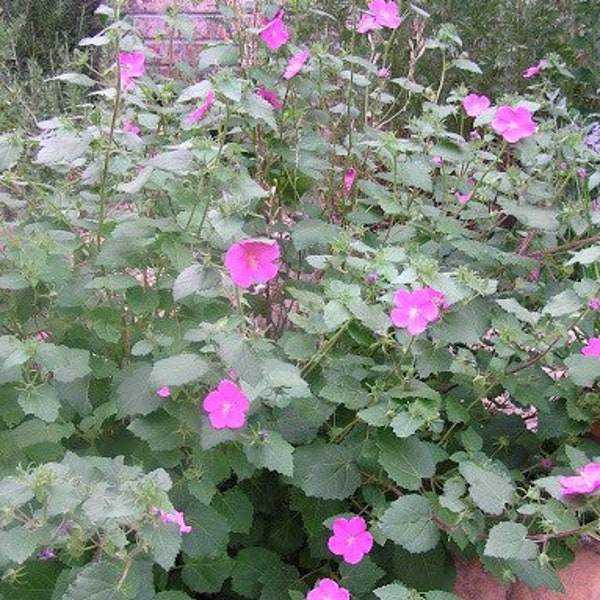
x: 119, y: 317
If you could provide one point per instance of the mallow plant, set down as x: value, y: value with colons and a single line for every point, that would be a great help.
x: 297, y: 325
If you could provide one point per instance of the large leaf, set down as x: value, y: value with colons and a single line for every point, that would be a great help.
x: 408, y: 522
x: 210, y: 532
x: 393, y: 591
x: 163, y: 541
x: 271, y: 452
x: 326, y: 471
x: 207, y: 575
x: 583, y: 370
x: 508, y: 540
x: 179, y: 369
x: 66, y: 364
x: 160, y: 431
x: 197, y: 280
x: 407, y: 461
x: 490, y: 491
x: 103, y: 581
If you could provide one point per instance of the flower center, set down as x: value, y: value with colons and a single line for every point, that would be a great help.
x: 252, y: 261
x: 226, y: 407
x: 350, y: 540
x: 413, y: 312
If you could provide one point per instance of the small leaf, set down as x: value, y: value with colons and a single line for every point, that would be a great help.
x: 509, y: 540
x: 75, y: 78
x: 179, y: 369
x: 163, y: 541
x: 489, y: 490
x: 272, y: 453
x: 103, y: 581
x: 393, y: 591
x: 207, y: 575
x: 583, y: 370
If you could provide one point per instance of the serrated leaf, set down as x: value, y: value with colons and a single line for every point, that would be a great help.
x: 326, y: 471
x: 75, y: 78
x: 160, y: 431
x: 407, y: 461
x: 361, y: 578
x: 258, y: 108
x: 510, y: 305
x: 179, y: 369
x: 35, y: 431
x: 103, y: 581
x: 13, y: 281
x: 10, y: 151
x: 163, y: 541
x: 587, y: 256
x: 404, y: 424
x: 583, y: 370
x: 210, y: 532
x: 415, y: 173
x: 40, y: 401
x: 197, y: 280
x: 490, y: 491
x: 135, y: 393
x: 272, y: 453
x: 393, y: 591
x: 408, y: 522
x: 564, y: 303
x: 237, y: 509
x: 237, y: 353
x: 206, y: 575
x: 508, y: 540
x: 532, y: 573
x: 179, y: 161
x: 19, y: 543
x: 465, y: 64
x: 66, y: 364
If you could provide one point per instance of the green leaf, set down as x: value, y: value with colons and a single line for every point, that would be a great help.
x: 225, y: 55
x: 103, y: 581
x: 41, y: 401
x: 272, y: 453
x: 66, y: 364
x: 508, y: 540
x: 206, y: 575
x: 408, y: 522
x: 19, y: 543
x: 465, y: 64
x: 312, y: 233
x: 35, y: 431
x: 197, y: 280
x: 179, y: 369
x: 404, y: 424
x: 10, y: 151
x: 361, y: 578
x: 587, y: 256
x: 490, y: 491
x: 179, y: 161
x: 210, y: 532
x: 583, y: 370
x: 326, y: 471
x: 163, y: 541
x: 564, y: 303
x: 13, y: 281
x: 36, y: 581
x: 393, y: 591
x: 407, y: 461
x: 159, y: 430
x: 258, y: 108
x: 74, y: 78
x: 415, y: 173
x: 237, y: 509
x: 463, y: 324
x: 172, y: 595
x: 238, y: 354
x: 135, y: 393
x: 535, y: 575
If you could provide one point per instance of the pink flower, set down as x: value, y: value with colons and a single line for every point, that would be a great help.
x: 533, y: 71
x: 328, y: 590
x: 415, y: 310
x: 513, y: 123
x: 350, y: 539
x: 474, y: 105
x: 592, y: 347
x: 196, y: 115
x: 381, y: 14
x: 586, y: 482
x: 437, y: 160
x: 383, y: 72
x: 130, y: 126
x: 535, y: 275
x: 163, y: 392
x: 474, y: 135
x: 252, y: 261
x: 581, y: 173
x: 594, y: 304
x: 177, y: 518
x: 271, y: 97
x: 463, y: 198
x: 131, y: 65
x: 295, y: 64
x: 226, y: 406
x: 274, y: 33
x: 546, y: 463
x: 41, y: 336
x: 349, y: 179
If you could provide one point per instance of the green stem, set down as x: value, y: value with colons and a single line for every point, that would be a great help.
x: 316, y: 359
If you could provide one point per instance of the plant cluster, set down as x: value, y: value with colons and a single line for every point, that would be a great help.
x: 300, y: 327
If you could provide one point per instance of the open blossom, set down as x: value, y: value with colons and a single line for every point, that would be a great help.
x: 226, y: 406
x: 475, y: 104
x: 328, y: 590
x: 252, y: 261
x: 349, y: 179
x: 131, y: 127
x: 163, y: 392
x: 270, y: 96
x: 383, y: 72
x: 415, y: 310
x: 594, y: 304
x: 295, y: 64
x: 131, y: 66
x: 533, y: 71
x: 592, y: 348
x: 274, y: 33
x: 381, y: 14
x: 176, y: 517
x: 196, y: 115
x: 587, y: 482
x: 513, y: 124
x: 350, y: 539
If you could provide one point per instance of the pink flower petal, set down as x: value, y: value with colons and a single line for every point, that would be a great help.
x: 274, y: 32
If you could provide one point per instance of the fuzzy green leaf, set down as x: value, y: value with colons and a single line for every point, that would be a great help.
x: 490, y: 491
x: 274, y: 453
x: 508, y: 540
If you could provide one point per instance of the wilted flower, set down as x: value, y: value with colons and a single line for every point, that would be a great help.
x: 270, y: 96
x: 252, y: 261
x: 274, y: 33
x: 533, y: 71
x: 349, y: 179
x: 594, y: 304
x: 295, y: 64
x: 46, y: 554
x: 226, y: 406
x: 131, y: 127
x: 196, y: 115
x: 176, y: 517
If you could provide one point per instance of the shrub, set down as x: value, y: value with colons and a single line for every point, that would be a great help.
x: 248, y: 320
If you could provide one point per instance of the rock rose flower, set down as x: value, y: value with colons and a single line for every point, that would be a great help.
x: 176, y: 517
x: 474, y: 104
x: 252, y: 261
x: 295, y: 64
x: 274, y: 33
x: 328, y: 590
x: 226, y: 406
x: 592, y: 347
x: 131, y: 66
x: 350, y: 539
x: 587, y: 482
x: 513, y: 124
x: 415, y: 310
x: 533, y: 71
x: 380, y: 14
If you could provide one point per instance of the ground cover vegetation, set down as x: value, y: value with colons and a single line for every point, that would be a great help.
x: 305, y: 321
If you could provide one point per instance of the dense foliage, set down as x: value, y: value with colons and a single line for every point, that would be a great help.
x: 312, y: 299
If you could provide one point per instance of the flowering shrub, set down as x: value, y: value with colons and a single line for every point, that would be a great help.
x: 307, y: 326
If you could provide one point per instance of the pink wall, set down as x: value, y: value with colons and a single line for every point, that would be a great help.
x: 148, y: 15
